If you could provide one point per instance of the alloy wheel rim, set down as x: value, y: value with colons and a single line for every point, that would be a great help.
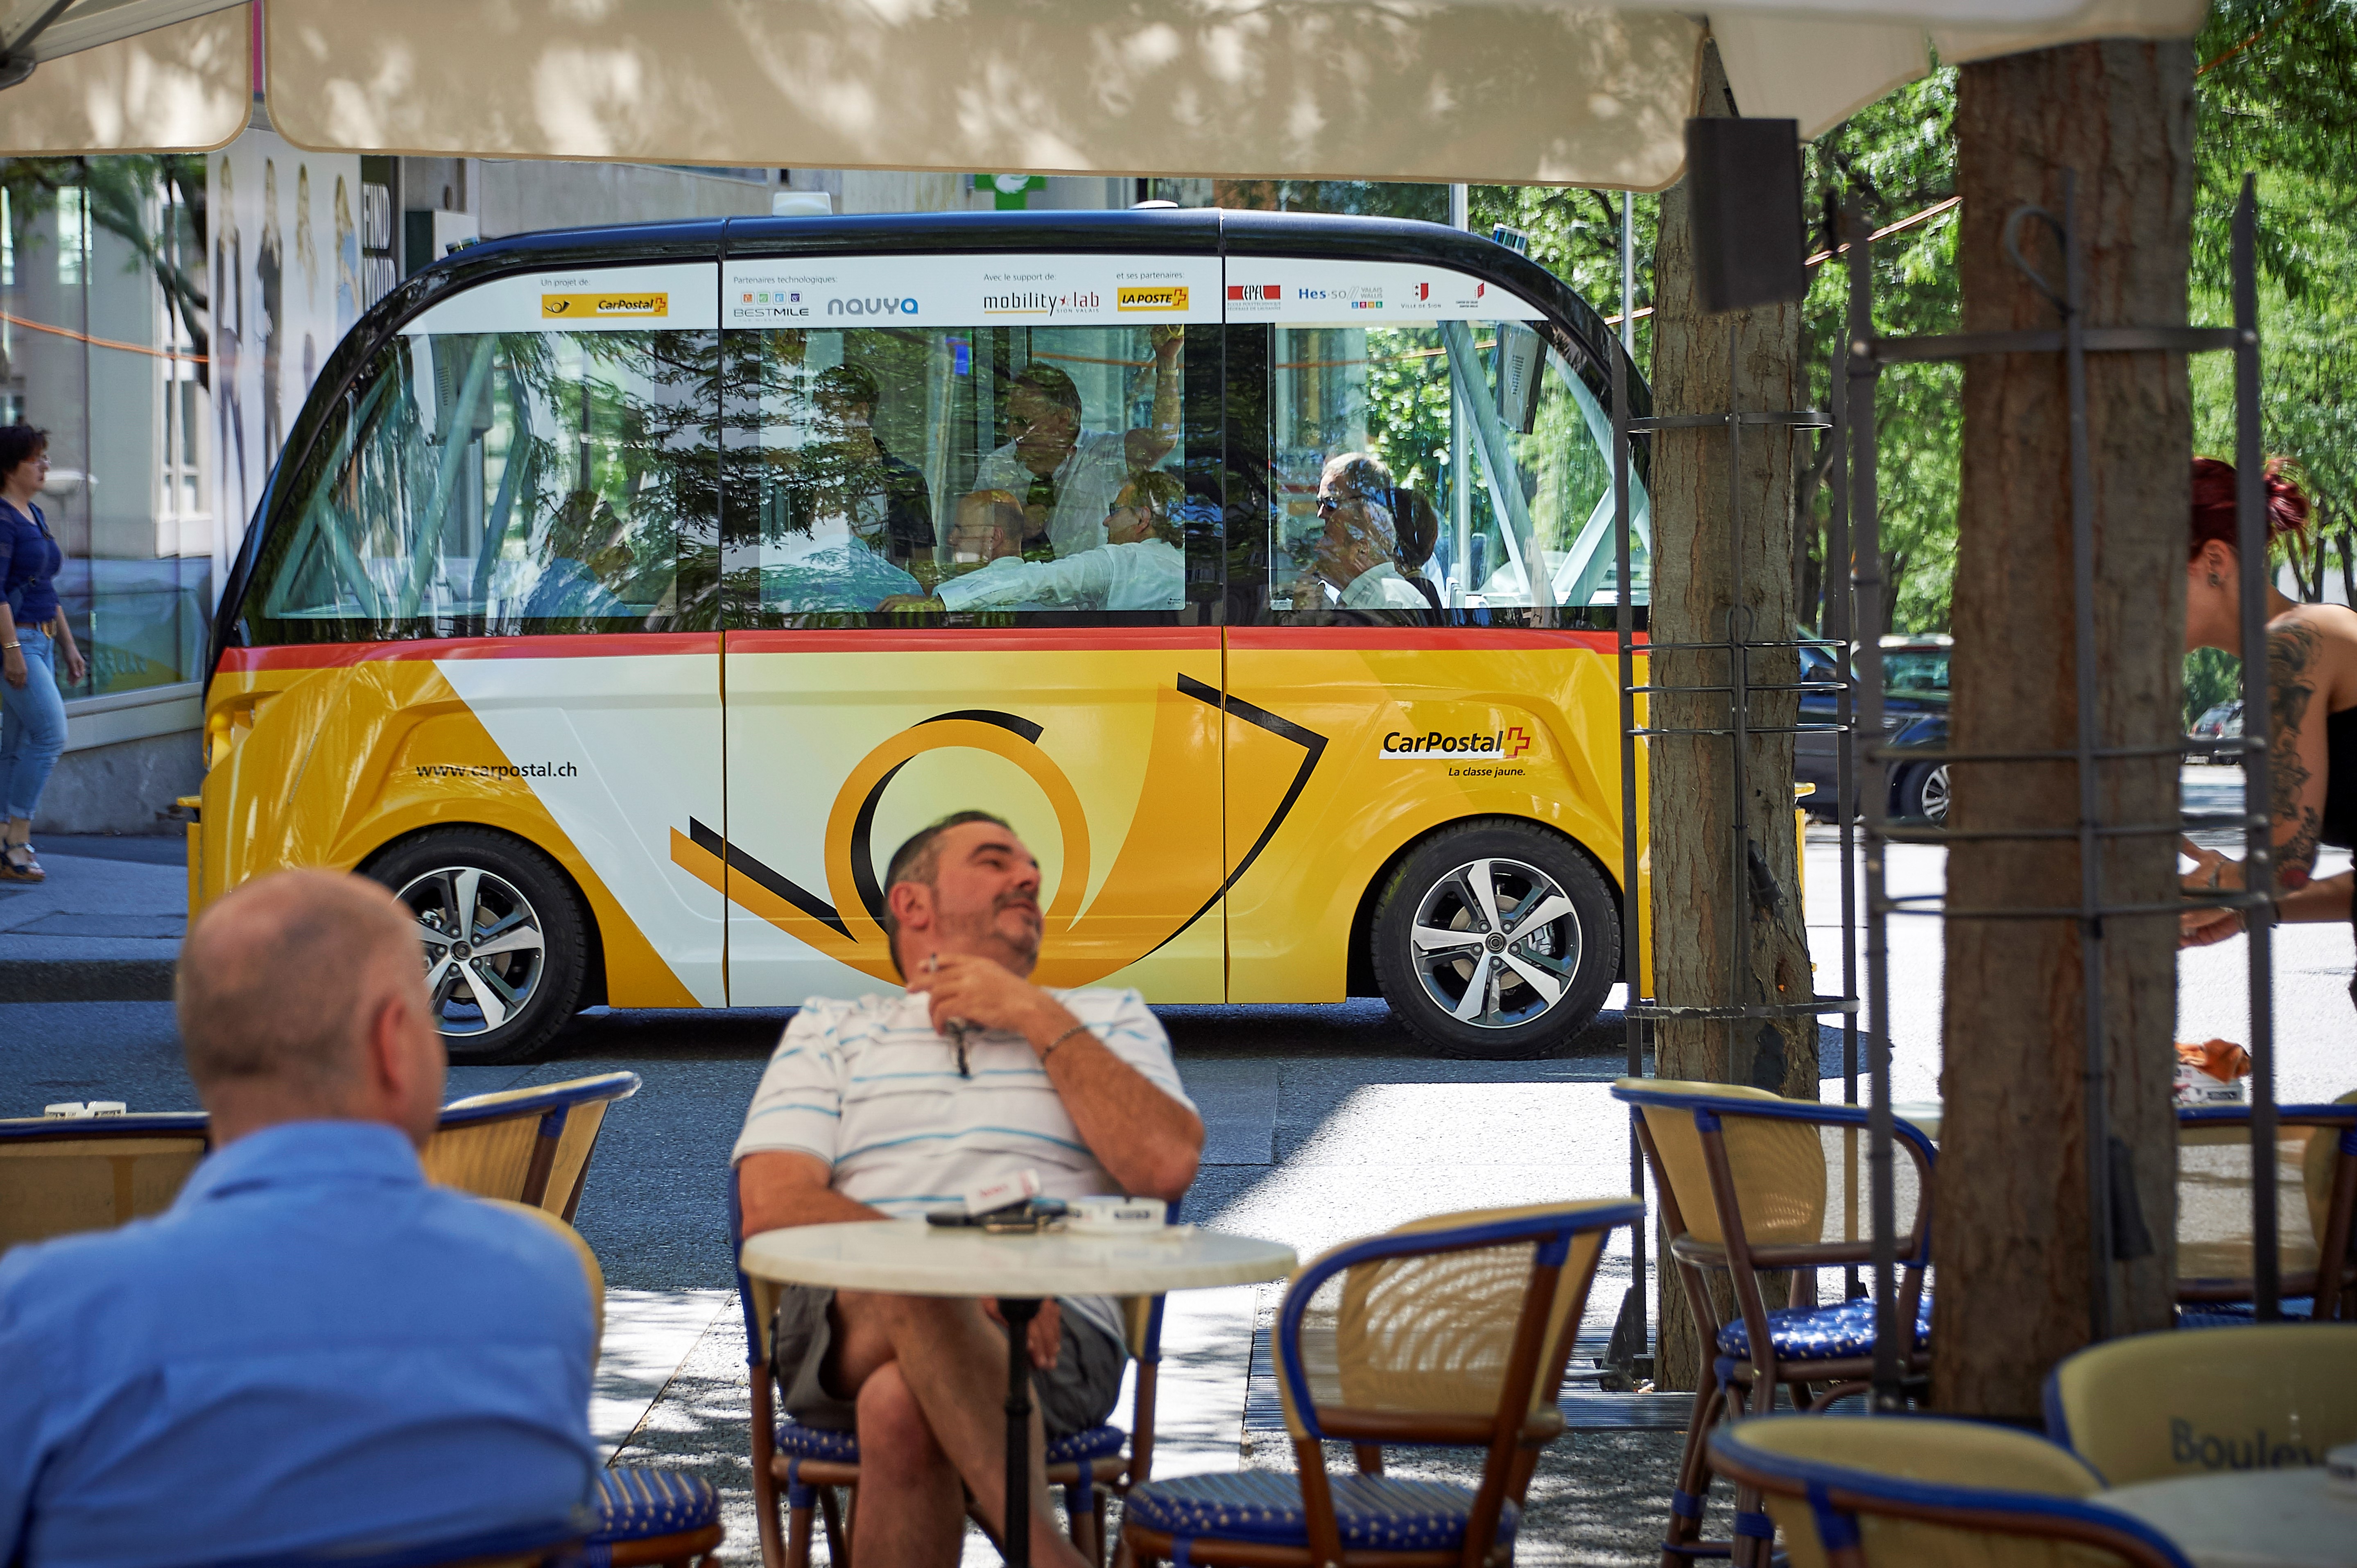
x: 1935, y: 794
x: 1496, y: 943
x: 485, y: 950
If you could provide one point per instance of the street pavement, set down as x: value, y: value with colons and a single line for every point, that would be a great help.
x: 1323, y: 1123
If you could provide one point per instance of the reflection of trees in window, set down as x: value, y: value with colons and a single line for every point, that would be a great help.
x: 482, y: 460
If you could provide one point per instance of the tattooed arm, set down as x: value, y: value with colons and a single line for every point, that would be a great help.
x: 2297, y: 757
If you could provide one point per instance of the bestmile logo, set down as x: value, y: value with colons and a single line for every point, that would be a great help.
x: 1401, y: 747
x: 1166, y: 298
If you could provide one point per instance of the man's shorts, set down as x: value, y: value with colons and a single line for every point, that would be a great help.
x: 1078, y: 1393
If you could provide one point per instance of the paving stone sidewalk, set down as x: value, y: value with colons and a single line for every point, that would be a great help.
x: 105, y: 927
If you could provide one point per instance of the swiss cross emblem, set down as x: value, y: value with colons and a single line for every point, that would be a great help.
x: 1517, y: 742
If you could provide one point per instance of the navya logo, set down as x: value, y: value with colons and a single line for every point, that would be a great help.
x: 871, y: 307
x: 1433, y: 746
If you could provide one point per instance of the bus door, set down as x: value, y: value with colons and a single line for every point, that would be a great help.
x: 971, y: 562
x: 494, y: 606
x: 1420, y: 518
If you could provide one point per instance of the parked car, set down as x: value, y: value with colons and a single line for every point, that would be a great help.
x: 1914, y: 715
x: 2217, y: 735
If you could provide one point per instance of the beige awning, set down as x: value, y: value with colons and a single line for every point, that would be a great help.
x: 128, y: 76
x: 1487, y: 91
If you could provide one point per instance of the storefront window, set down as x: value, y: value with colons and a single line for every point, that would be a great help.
x: 102, y: 344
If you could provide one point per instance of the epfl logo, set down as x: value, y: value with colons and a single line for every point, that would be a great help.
x: 1399, y: 747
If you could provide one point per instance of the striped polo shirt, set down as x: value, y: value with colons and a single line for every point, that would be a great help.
x: 868, y: 1086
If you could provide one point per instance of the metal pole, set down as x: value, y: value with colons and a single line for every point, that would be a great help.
x: 2095, y: 1073
x: 1461, y: 478
x: 1631, y: 916
x: 1890, y: 1336
x: 1840, y: 629
x: 1018, y: 1314
x: 1738, y: 717
x: 2258, y: 858
x: 1629, y: 272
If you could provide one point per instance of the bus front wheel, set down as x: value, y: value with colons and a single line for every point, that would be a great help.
x: 504, y: 942
x: 1496, y: 939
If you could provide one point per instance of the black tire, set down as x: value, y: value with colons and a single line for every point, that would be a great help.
x: 1923, y: 793
x: 1435, y: 890
x: 503, y: 1005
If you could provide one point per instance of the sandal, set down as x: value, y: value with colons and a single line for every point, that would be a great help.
x: 18, y: 864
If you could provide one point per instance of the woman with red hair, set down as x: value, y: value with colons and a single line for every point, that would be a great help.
x: 2311, y: 707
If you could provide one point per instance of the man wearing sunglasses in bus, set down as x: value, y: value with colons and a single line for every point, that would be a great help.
x: 1357, y: 563
x: 889, y: 1106
x: 1065, y: 475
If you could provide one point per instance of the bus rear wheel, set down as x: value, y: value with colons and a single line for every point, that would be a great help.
x: 505, y: 945
x: 1496, y: 940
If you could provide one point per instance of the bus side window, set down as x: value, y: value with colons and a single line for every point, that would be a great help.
x: 890, y: 474
x: 502, y: 484
x: 1385, y: 486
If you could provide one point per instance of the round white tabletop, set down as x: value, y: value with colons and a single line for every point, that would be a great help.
x: 2247, y: 1518
x: 911, y: 1258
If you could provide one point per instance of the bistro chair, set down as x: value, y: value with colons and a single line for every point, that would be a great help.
x: 1897, y: 1491
x: 58, y: 1176
x: 2316, y: 1183
x: 809, y: 1463
x: 645, y: 1515
x: 1453, y: 1331
x: 2154, y: 1406
x: 1749, y: 1182
x: 531, y: 1144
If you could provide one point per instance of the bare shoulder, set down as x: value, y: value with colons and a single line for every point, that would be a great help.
x: 2317, y: 645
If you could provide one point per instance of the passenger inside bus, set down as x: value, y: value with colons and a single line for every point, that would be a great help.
x: 1068, y: 477
x: 1356, y: 566
x: 851, y: 474
x: 1141, y: 566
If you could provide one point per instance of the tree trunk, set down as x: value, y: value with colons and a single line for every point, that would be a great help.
x: 2012, y: 1242
x: 1711, y: 890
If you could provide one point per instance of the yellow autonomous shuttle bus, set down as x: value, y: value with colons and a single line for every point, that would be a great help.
x: 624, y: 597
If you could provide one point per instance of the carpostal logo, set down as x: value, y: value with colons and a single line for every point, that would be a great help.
x: 1040, y: 302
x: 1433, y: 746
x: 1163, y: 298
x: 588, y: 307
x: 865, y: 306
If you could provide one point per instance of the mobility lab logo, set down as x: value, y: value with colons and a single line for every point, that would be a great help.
x: 1044, y: 302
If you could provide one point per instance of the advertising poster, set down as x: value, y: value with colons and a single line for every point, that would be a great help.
x: 287, y: 286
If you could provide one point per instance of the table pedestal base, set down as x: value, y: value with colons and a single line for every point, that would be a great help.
x: 1018, y: 1314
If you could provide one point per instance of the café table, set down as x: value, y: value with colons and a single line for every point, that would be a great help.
x: 2247, y: 1518
x: 1019, y: 1270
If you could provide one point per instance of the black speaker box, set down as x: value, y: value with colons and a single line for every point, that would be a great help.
x: 1743, y: 187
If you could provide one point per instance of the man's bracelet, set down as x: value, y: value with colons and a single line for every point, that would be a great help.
x: 1051, y: 1044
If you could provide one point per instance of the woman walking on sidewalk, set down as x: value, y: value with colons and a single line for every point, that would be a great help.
x: 32, y: 631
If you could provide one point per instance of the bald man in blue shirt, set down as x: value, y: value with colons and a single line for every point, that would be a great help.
x: 313, y: 1350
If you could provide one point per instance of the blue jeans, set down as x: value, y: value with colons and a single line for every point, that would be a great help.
x: 32, y: 727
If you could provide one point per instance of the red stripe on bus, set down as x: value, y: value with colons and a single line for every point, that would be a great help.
x: 1420, y: 638
x: 979, y: 639
x: 589, y: 645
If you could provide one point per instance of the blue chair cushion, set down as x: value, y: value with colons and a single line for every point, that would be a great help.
x: 800, y: 1441
x: 635, y: 1503
x: 1379, y: 1513
x: 2239, y: 1314
x: 1821, y: 1333
x: 1096, y: 1442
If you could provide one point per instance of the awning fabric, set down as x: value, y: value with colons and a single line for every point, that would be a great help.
x: 187, y: 85
x: 1486, y: 91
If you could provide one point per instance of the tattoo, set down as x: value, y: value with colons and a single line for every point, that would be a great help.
x: 2297, y: 854
x: 2291, y: 688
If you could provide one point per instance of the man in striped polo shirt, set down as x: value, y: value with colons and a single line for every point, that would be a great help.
x: 890, y: 1105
